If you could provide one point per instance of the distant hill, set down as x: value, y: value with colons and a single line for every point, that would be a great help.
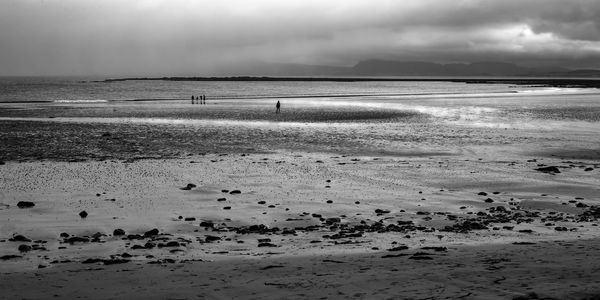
x: 377, y: 67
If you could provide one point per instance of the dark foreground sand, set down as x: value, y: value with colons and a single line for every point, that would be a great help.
x: 549, y: 270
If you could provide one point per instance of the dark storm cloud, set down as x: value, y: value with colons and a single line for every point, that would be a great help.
x: 200, y: 37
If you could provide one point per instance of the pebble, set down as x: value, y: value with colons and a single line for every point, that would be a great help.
x: 24, y: 248
x: 118, y: 232
x: 25, y: 204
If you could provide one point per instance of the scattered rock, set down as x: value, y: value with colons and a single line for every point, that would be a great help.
x: 19, y: 238
x: 436, y: 249
x: 83, y: 214
x: 261, y: 202
x: 208, y: 224
x: 25, y: 204
x: 399, y: 248
x: 589, y: 169
x: 211, y: 238
x: 222, y: 199
x: 266, y: 245
x: 10, y: 256
x: 76, y: 239
x: 227, y: 207
x: 118, y: 232
x: 549, y: 169
x: 235, y: 192
x: 24, y: 248
x: 189, y: 219
x: 331, y: 221
x: 489, y: 200
x: 382, y: 211
x: 270, y: 267
x: 151, y: 233
x: 188, y: 187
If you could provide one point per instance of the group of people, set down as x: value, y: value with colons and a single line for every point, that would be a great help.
x: 202, y: 100
x: 199, y: 99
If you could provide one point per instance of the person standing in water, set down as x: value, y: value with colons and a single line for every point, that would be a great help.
x: 277, y: 107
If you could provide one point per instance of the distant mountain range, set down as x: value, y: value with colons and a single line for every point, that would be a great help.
x: 376, y: 67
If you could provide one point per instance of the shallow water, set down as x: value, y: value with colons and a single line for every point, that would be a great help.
x: 388, y: 118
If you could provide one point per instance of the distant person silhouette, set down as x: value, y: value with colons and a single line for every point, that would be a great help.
x: 192, y: 99
x: 203, y: 99
x: 277, y: 107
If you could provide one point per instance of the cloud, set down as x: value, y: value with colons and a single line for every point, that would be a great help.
x: 175, y: 37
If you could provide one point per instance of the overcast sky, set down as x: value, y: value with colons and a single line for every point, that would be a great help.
x: 186, y: 37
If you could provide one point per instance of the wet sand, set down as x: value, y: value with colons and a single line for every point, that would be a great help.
x: 383, y: 204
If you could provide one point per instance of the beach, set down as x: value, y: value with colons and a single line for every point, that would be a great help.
x: 464, y: 195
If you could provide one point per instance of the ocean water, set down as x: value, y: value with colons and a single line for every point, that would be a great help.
x: 43, y: 89
x: 61, y: 118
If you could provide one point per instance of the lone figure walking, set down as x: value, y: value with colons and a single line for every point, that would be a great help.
x: 277, y: 107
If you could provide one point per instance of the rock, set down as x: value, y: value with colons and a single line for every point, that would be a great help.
x: 25, y: 204
x: 314, y: 215
x: 188, y: 187
x: 399, y: 248
x: 221, y: 199
x: 549, y: 169
x: 224, y: 191
x: 331, y: 221
x: 235, y: 192
x: 151, y: 233
x: 114, y: 261
x: 92, y: 261
x: 64, y: 235
x: 482, y: 194
x: 83, y: 214
x: 382, y: 211
x: 436, y: 249
x: 10, y: 256
x: 488, y: 200
x: 118, y: 232
x: 266, y: 245
x: 106, y: 134
x: 169, y: 244
x: 261, y: 202
x: 227, y: 207
x: 24, y: 248
x: 76, y: 239
x: 329, y: 201
x: 211, y: 238
x: 208, y: 224
x: 589, y: 169
x: 189, y: 219
x: 19, y: 238
x: 135, y: 237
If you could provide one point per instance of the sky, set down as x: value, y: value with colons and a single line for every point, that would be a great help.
x: 197, y: 37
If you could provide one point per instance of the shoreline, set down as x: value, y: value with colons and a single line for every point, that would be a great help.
x: 592, y: 82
